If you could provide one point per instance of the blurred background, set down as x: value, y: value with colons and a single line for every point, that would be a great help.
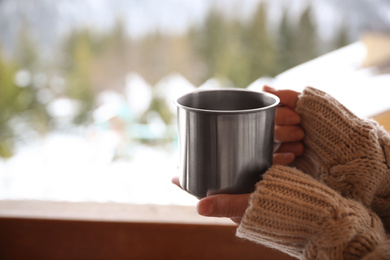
x: 86, y: 87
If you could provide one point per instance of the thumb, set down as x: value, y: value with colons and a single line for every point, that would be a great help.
x: 223, y: 205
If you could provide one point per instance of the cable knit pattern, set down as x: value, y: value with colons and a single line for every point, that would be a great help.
x: 294, y: 213
x: 349, y: 154
x: 335, y: 202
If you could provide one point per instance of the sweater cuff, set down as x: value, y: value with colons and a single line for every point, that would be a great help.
x: 290, y: 210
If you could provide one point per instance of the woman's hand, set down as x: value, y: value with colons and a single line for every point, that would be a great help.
x: 287, y: 129
x: 287, y: 132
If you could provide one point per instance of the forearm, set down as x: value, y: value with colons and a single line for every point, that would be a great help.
x: 295, y: 213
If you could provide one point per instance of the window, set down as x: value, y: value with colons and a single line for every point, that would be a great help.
x: 86, y: 88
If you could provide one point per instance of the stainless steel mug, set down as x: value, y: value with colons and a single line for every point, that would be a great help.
x: 226, y: 139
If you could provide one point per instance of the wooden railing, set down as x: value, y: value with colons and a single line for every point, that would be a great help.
x: 50, y: 237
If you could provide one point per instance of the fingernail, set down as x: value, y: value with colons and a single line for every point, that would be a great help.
x: 268, y: 88
x: 205, y: 208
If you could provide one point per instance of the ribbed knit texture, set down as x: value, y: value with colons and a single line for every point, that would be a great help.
x: 335, y: 203
x: 349, y: 154
x: 294, y: 213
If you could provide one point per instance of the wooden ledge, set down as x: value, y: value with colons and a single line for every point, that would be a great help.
x: 23, y: 238
x: 83, y: 230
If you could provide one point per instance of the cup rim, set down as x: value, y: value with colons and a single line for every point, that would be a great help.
x: 240, y: 111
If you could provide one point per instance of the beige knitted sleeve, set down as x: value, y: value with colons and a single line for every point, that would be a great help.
x: 348, y: 154
x: 292, y: 212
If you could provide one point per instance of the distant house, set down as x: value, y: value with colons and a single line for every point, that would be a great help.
x: 378, y: 56
x: 383, y: 119
x: 377, y: 51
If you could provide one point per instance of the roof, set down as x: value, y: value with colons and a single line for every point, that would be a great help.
x: 341, y: 74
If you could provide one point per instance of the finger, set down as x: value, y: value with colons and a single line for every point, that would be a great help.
x: 288, y: 98
x: 283, y: 158
x: 223, y: 205
x: 176, y: 181
x: 286, y: 116
x: 295, y: 148
x: 288, y: 133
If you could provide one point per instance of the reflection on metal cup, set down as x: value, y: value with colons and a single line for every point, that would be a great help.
x: 226, y: 140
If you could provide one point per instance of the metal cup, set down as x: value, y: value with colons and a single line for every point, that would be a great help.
x: 226, y: 140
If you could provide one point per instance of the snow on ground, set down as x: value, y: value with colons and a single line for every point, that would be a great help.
x: 65, y: 167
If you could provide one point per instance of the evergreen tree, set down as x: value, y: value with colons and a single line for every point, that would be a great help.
x: 28, y: 59
x: 9, y: 106
x: 26, y: 54
x: 259, y: 46
x: 79, y: 75
x: 341, y: 39
x: 285, y: 43
x: 17, y: 102
x: 237, y: 64
x: 306, y: 38
x: 211, y: 42
x: 296, y: 42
